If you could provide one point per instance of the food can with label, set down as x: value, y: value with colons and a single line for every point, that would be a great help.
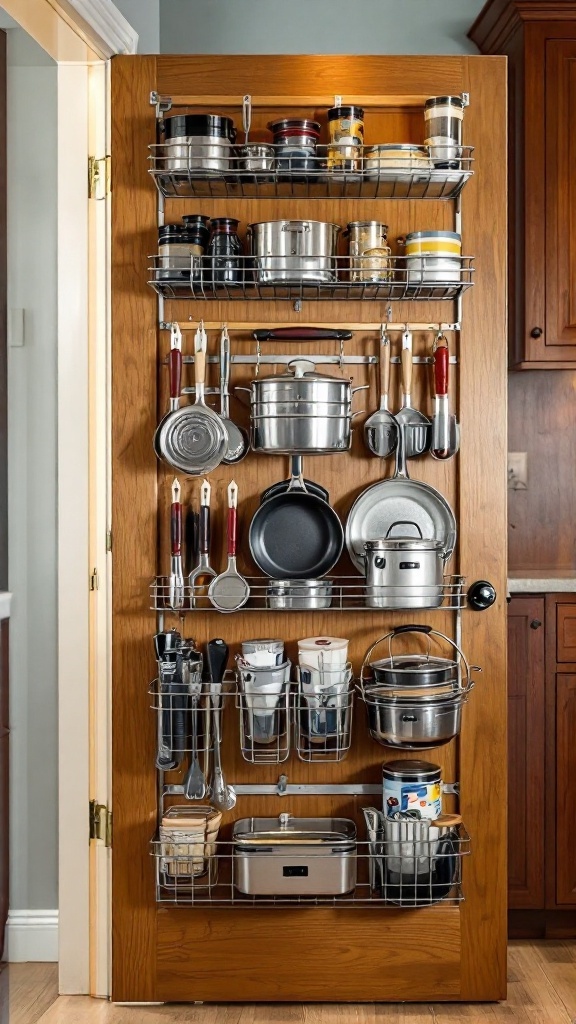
x: 346, y: 128
x: 412, y: 786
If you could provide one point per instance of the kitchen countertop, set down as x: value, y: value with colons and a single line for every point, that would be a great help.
x: 551, y: 581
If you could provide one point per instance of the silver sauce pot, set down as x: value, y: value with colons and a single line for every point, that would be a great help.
x: 294, y: 251
x: 398, y: 562
x: 394, y: 722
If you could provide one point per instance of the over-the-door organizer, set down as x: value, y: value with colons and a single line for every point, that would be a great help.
x: 395, y: 545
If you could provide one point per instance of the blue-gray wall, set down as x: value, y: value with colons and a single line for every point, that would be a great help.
x: 316, y: 26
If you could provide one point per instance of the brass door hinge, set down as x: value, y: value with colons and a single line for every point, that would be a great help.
x: 100, y: 823
x: 108, y: 540
x: 94, y: 580
x: 98, y: 177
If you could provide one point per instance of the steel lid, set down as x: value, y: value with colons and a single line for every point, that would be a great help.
x: 303, y: 370
x: 404, y: 544
x: 287, y: 829
x: 412, y: 770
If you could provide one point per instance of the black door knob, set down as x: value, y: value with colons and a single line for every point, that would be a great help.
x: 535, y: 624
x: 536, y: 332
x: 481, y: 595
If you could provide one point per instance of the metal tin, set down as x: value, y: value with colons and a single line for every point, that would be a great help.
x: 433, y: 257
x: 443, y: 116
x: 256, y: 157
x: 295, y: 140
x: 289, y: 856
x: 412, y: 786
x: 301, y: 594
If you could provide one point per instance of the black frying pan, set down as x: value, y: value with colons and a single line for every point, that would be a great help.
x: 295, y: 535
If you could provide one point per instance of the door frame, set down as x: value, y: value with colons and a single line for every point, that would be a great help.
x: 81, y: 36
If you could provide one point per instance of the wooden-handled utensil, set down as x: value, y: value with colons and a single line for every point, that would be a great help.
x: 417, y: 427
x: 230, y: 590
x: 176, y: 585
x: 445, y: 431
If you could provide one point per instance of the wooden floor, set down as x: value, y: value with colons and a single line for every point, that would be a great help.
x: 542, y: 990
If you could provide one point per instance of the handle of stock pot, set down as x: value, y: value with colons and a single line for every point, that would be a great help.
x: 301, y: 334
x: 429, y: 632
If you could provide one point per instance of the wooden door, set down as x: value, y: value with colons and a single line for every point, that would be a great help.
x: 565, y: 789
x: 526, y: 744
x: 163, y: 952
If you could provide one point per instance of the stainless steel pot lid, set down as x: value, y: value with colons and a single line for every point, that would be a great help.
x: 302, y: 369
x: 417, y: 771
x: 420, y: 665
x: 286, y: 829
x: 403, y: 544
x: 388, y: 696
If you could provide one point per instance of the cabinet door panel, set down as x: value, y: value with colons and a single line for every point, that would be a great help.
x: 566, y: 632
x: 560, y: 252
x: 565, y: 788
x: 525, y: 753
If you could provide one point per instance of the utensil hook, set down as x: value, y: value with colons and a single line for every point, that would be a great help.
x: 341, y: 360
x: 258, y: 356
x: 246, y: 115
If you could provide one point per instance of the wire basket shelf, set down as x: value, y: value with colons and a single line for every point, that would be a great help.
x: 346, y: 593
x: 245, y: 278
x: 178, y: 174
x: 408, y: 874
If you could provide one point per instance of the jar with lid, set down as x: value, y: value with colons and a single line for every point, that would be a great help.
x: 412, y: 786
x: 223, y: 259
x: 180, y: 248
x: 346, y: 128
x: 443, y: 116
x: 370, y: 255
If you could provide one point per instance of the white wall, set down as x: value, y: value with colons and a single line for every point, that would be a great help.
x: 31, y: 131
x: 317, y: 26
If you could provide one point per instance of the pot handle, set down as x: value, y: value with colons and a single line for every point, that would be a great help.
x: 404, y: 522
x: 297, y: 226
x: 301, y: 366
x: 429, y: 631
x: 411, y: 629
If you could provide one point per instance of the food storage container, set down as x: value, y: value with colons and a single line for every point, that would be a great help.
x: 180, y: 248
x: 187, y: 836
x: 369, y: 251
x: 302, y: 594
x: 289, y: 856
x: 263, y: 653
x: 346, y: 129
x: 433, y: 257
x: 198, y: 143
x: 412, y: 786
x: 443, y: 116
x: 295, y: 141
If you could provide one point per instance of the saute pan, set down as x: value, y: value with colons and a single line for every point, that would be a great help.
x: 295, y: 534
x: 399, y: 499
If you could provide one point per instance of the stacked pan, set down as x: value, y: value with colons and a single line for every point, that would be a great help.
x: 414, y: 700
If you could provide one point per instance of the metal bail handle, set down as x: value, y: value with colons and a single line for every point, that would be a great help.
x: 429, y: 633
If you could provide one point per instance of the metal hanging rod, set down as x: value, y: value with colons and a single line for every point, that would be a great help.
x: 213, y: 325
x: 271, y: 360
x: 165, y: 103
x: 285, y: 788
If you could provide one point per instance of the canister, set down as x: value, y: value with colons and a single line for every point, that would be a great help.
x: 394, y: 158
x: 433, y: 256
x: 369, y: 251
x: 346, y: 128
x: 180, y: 247
x: 412, y: 786
x: 295, y: 142
x: 263, y: 653
x: 323, y: 652
x: 443, y: 117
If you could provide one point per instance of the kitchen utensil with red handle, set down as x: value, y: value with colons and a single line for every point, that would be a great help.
x: 230, y: 591
x: 445, y: 431
x: 176, y: 586
x: 203, y: 568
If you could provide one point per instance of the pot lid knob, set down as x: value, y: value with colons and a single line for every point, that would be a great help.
x: 481, y: 595
x: 301, y: 366
x: 285, y: 819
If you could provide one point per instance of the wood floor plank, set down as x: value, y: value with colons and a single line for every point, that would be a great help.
x: 28, y: 990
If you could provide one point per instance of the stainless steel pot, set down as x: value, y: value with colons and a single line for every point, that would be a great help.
x: 289, y: 856
x: 416, y: 678
x: 294, y: 251
x: 255, y: 157
x: 198, y: 142
x: 301, y: 594
x: 398, y: 562
x: 430, y: 722
x: 301, y: 412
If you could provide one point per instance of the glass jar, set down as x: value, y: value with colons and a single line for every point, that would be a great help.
x: 222, y: 262
x: 180, y: 249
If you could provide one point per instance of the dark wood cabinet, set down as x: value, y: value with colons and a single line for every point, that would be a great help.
x: 526, y: 743
x: 540, y: 43
x: 542, y: 765
x: 4, y: 776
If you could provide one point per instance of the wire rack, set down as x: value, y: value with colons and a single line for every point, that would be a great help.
x: 177, y: 174
x: 348, y: 593
x: 245, y: 278
x: 380, y: 874
x: 323, y: 726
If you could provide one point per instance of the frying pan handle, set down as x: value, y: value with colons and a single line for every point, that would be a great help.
x: 204, y: 530
x: 302, y: 334
x: 441, y: 361
x: 176, y: 528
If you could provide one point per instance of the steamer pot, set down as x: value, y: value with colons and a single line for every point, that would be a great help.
x: 294, y: 251
x: 397, y: 562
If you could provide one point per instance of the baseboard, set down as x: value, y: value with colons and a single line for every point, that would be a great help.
x: 31, y: 936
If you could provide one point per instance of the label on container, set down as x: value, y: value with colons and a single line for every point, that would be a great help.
x: 346, y: 133
x: 412, y: 796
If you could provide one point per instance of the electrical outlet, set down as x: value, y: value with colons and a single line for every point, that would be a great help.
x: 517, y: 471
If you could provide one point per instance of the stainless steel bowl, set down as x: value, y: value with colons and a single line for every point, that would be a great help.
x: 299, y: 594
x: 255, y: 157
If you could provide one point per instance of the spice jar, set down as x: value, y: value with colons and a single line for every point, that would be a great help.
x: 180, y: 247
x: 222, y: 262
x: 346, y: 128
x: 369, y: 251
x: 443, y: 116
